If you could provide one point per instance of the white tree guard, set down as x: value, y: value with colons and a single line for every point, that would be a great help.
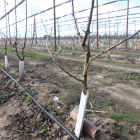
x: 135, y: 48
x: 6, y: 63
x: 42, y: 45
x: 59, y: 48
x: 81, y: 114
x: 36, y: 46
x: 108, y: 52
x: 73, y: 50
x: 21, y: 70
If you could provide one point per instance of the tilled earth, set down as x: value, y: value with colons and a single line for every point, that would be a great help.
x: 21, y: 119
x: 25, y: 120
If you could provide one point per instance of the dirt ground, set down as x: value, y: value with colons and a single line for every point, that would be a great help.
x: 114, y: 89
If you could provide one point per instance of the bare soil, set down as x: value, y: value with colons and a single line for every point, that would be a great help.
x: 113, y: 88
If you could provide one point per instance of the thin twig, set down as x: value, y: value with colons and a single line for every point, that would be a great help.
x: 44, y: 26
x: 96, y: 111
x: 90, y: 104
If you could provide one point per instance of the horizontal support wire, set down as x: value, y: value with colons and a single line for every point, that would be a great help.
x: 86, y: 21
x: 39, y: 12
x: 63, y: 15
x: 12, y: 10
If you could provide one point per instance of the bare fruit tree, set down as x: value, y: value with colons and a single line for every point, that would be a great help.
x: 21, y: 62
x: 88, y: 60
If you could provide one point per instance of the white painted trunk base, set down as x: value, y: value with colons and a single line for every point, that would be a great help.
x: 81, y: 114
x: 6, y: 63
x: 59, y: 48
x: 21, y: 70
x: 73, y: 50
x: 108, y: 52
x: 36, y: 46
x: 135, y: 48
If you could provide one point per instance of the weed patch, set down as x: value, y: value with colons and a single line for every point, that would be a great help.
x: 80, y: 65
x: 118, y: 117
x: 35, y: 55
x: 109, y: 103
x: 41, y: 126
x: 23, y: 97
x: 42, y: 130
x: 59, y: 113
x: 29, y: 99
x: 3, y: 96
x: 94, y: 50
x: 112, y: 69
x: 17, y: 74
x: 138, y: 83
x: 130, y: 76
x: 7, y: 49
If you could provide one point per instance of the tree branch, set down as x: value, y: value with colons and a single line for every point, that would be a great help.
x: 108, y: 50
x: 17, y: 51
x: 59, y: 65
x: 89, y: 22
x: 31, y: 44
x: 75, y: 24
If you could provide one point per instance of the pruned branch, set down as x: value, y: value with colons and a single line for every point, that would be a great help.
x: 89, y: 22
x: 86, y: 48
x: 17, y: 51
x: 75, y: 24
x: 6, y: 47
x: 30, y: 47
x: 59, y: 65
x: 88, y: 26
x: 108, y: 50
x: 44, y: 25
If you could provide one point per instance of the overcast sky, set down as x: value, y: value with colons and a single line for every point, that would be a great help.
x: 35, y: 6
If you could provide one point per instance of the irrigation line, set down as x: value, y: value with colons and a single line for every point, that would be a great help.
x: 41, y: 106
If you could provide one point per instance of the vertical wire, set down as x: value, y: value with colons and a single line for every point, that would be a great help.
x: 6, y: 30
x: 9, y: 30
x: 5, y: 17
x: 16, y: 22
x: 109, y: 24
x: 26, y: 23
